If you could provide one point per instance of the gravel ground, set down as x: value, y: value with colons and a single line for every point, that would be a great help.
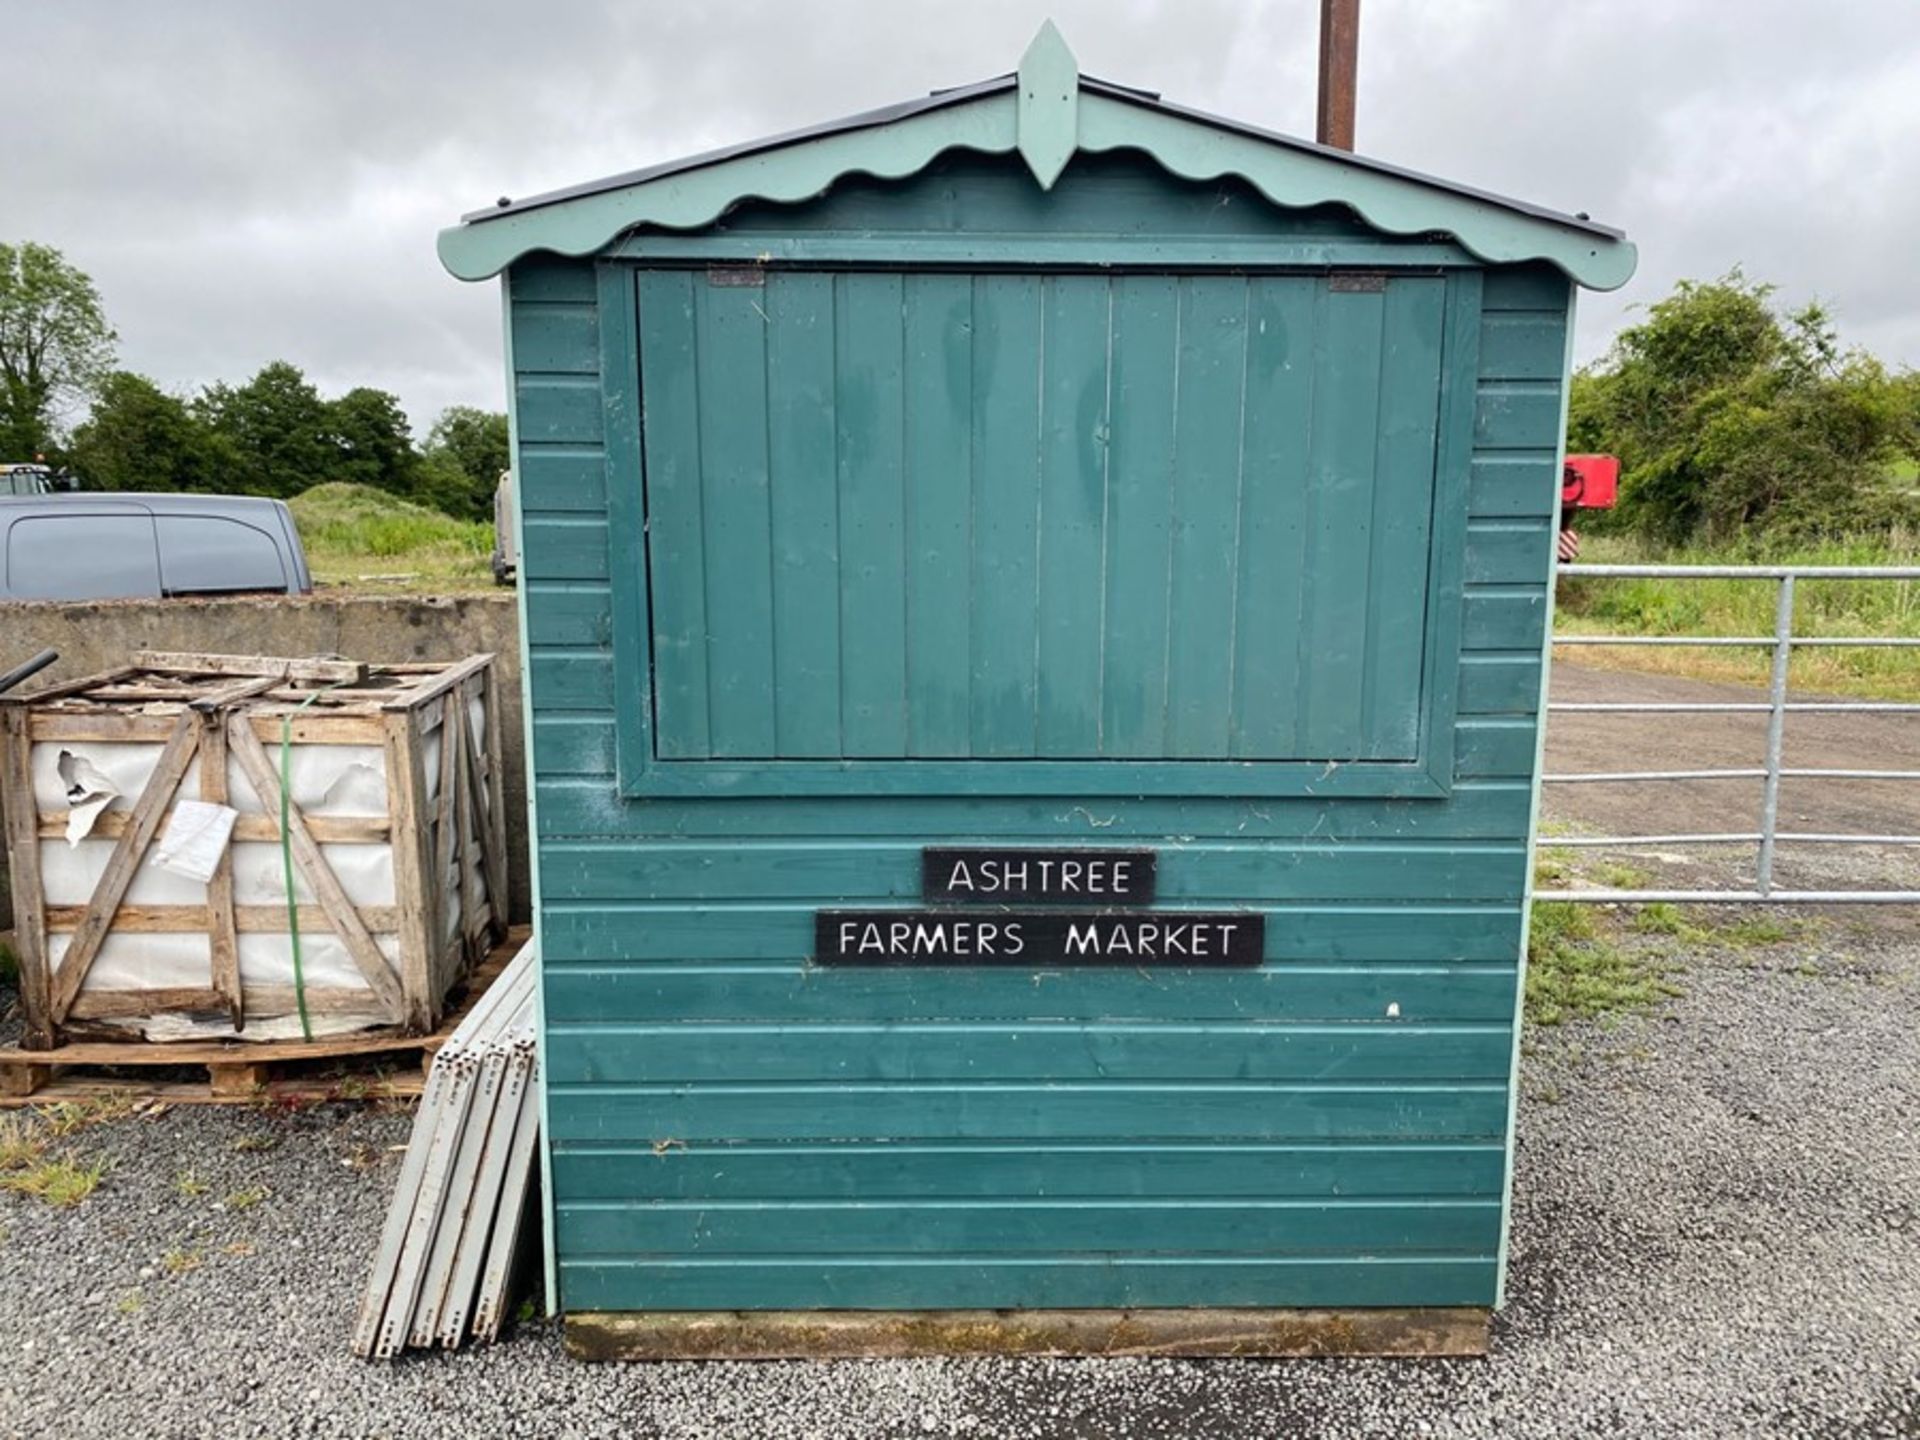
x: 1717, y: 1233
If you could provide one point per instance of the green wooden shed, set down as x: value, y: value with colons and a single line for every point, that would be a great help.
x: 1035, y: 603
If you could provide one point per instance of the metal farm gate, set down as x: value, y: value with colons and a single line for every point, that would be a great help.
x: 1781, y: 645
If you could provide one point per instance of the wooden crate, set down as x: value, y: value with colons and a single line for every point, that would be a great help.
x: 214, y: 726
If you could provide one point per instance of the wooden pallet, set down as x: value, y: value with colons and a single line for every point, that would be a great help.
x: 237, y: 1072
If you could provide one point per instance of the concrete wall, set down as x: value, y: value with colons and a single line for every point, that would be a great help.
x: 98, y: 635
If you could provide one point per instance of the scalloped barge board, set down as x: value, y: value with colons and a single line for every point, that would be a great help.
x: 1049, y: 114
x: 869, y: 1334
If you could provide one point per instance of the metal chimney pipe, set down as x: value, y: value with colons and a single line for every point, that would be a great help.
x: 1339, y: 63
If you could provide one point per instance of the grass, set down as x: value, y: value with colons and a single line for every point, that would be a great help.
x: 1885, y: 608
x: 179, y: 1261
x: 356, y: 535
x: 1594, y: 961
x: 62, y: 1182
x: 1578, y: 968
x: 245, y: 1199
x: 69, y: 1117
x: 188, y: 1184
x: 67, y: 1178
x: 21, y: 1144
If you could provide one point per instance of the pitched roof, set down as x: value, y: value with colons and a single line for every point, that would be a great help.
x: 1046, y: 111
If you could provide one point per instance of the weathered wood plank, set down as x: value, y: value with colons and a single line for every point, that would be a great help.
x: 189, y: 662
x: 23, y: 859
x: 223, y: 942
x: 196, y: 919
x: 848, y: 1335
x: 341, y: 915
x: 128, y: 851
x: 258, y: 829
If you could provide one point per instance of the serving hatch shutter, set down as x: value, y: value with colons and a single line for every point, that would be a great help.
x: 1016, y: 515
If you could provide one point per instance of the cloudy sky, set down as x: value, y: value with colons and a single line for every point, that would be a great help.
x: 263, y: 179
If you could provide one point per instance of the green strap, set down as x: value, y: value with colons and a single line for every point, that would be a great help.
x: 286, y: 852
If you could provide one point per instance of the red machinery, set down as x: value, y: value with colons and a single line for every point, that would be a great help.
x: 1590, y: 482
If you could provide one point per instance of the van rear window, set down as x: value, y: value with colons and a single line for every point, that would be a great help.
x: 200, y: 554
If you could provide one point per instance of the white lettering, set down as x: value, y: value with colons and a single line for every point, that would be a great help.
x: 1083, y: 939
x: 961, y: 878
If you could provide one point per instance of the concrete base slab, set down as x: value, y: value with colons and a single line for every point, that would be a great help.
x: 849, y: 1334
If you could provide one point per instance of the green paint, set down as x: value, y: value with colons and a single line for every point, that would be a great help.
x: 1069, y: 456
x: 1090, y: 1282
x: 766, y: 1172
x: 742, y: 991
x: 945, y: 506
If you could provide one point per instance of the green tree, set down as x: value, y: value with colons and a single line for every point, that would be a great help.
x: 1730, y: 417
x: 373, y: 441
x: 461, y: 462
x: 55, y: 345
x: 281, y: 432
x: 138, y: 437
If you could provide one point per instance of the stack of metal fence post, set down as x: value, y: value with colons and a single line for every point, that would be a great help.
x: 446, y: 1254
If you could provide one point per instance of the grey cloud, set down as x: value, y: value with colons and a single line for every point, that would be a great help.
x: 249, y: 180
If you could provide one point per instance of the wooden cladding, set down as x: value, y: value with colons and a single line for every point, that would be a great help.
x: 1039, y: 516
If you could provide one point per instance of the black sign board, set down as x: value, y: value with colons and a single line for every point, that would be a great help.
x: 998, y: 876
x: 1165, y: 939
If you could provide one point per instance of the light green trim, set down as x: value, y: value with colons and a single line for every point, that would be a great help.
x: 1047, y: 125
x: 1533, y: 832
x: 1049, y: 81
x: 694, y: 198
x: 549, y: 1254
x: 1390, y: 203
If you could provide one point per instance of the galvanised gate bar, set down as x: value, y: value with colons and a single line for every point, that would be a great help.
x: 1033, y: 472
